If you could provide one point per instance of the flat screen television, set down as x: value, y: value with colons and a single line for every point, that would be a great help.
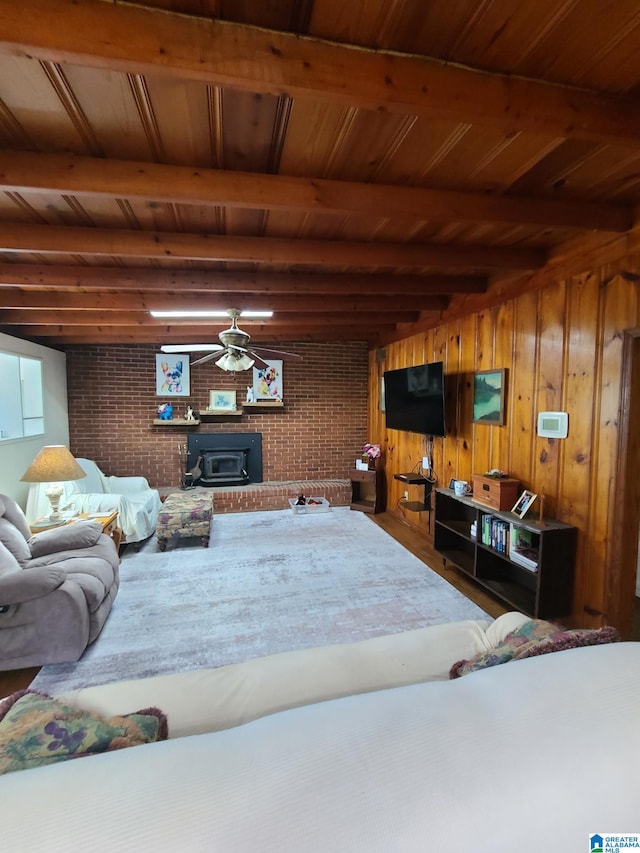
x: 414, y: 399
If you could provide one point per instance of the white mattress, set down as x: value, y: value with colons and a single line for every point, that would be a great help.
x: 531, y: 755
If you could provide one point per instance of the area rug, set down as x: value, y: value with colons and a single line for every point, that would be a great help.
x: 269, y: 582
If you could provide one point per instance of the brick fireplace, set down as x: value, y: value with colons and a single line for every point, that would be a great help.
x: 225, y: 459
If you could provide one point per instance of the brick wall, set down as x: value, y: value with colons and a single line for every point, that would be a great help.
x: 112, y: 404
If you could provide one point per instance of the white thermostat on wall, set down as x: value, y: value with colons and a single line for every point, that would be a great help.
x: 553, y: 424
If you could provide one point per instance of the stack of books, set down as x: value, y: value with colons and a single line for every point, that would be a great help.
x: 495, y: 533
x: 522, y: 548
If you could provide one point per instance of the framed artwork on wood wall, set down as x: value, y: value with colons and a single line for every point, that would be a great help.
x: 172, y: 375
x: 489, y: 388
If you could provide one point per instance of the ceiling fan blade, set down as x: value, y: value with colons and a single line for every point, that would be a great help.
x: 190, y: 347
x: 258, y: 360
x: 278, y: 354
x: 208, y: 357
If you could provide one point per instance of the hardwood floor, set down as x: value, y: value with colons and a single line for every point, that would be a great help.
x: 20, y: 678
x: 16, y: 679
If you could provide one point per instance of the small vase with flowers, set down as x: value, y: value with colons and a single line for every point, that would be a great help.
x: 370, y: 454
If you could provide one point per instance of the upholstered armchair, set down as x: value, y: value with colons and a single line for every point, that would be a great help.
x: 137, y: 504
x: 56, y: 588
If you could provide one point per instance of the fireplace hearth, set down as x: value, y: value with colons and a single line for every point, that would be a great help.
x: 225, y: 459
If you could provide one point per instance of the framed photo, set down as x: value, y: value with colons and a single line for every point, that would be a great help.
x: 523, y: 503
x: 488, y: 397
x: 267, y: 382
x: 222, y: 400
x: 172, y: 375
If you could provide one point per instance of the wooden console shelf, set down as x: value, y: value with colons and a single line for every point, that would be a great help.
x: 526, y: 565
x: 217, y: 413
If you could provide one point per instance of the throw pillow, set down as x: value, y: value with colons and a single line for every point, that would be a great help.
x: 36, y: 729
x: 535, y: 637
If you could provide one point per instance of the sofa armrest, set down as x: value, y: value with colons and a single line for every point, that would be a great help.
x: 28, y: 584
x: 80, y: 534
x: 127, y: 485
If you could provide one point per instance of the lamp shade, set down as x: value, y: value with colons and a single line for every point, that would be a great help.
x: 53, y: 464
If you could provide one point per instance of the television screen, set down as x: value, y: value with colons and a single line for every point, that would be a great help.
x: 414, y: 399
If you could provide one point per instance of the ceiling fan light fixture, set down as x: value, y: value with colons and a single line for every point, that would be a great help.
x: 182, y: 314
x: 235, y: 362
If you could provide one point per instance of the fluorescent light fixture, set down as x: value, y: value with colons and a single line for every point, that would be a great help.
x: 176, y: 314
x: 189, y: 347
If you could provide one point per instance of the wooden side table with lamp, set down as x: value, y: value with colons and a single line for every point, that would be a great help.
x: 108, y: 520
x: 55, y: 464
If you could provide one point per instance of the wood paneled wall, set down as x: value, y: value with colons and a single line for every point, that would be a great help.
x: 562, y: 348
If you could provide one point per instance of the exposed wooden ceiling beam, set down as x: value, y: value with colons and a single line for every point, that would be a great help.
x: 141, y: 40
x: 160, y: 334
x: 152, y: 182
x: 74, y: 303
x: 39, y: 276
x: 142, y: 319
x: 19, y: 238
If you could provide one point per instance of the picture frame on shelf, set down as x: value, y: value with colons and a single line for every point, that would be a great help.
x: 523, y: 503
x: 225, y: 400
x: 172, y: 375
x: 489, y: 388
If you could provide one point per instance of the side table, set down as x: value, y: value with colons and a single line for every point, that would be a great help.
x: 108, y: 520
x: 367, y: 490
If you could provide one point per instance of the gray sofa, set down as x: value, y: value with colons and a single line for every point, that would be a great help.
x: 56, y: 589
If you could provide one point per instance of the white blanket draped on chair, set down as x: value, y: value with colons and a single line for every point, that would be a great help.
x: 136, y: 502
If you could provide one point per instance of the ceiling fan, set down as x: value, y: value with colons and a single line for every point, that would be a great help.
x: 233, y: 351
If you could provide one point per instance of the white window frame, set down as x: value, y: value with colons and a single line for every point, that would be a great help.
x: 21, y: 397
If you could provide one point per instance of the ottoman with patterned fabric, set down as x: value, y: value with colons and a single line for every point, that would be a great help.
x: 184, y: 514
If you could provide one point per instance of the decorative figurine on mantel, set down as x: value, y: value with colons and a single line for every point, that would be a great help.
x: 190, y: 414
x: 165, y: 412
x: 250, y: 395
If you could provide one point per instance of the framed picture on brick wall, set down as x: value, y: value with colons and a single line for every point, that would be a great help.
x: 267, y: 382
x: 172, y: 375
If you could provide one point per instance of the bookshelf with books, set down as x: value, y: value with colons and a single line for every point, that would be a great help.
x: 525, y: 564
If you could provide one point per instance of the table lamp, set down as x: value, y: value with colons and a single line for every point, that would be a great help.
x: 54, y: 464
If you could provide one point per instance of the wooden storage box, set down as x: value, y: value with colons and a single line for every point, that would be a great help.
x: 498, y: 494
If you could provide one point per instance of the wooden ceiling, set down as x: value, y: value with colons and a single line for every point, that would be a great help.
x: 362, y: 168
